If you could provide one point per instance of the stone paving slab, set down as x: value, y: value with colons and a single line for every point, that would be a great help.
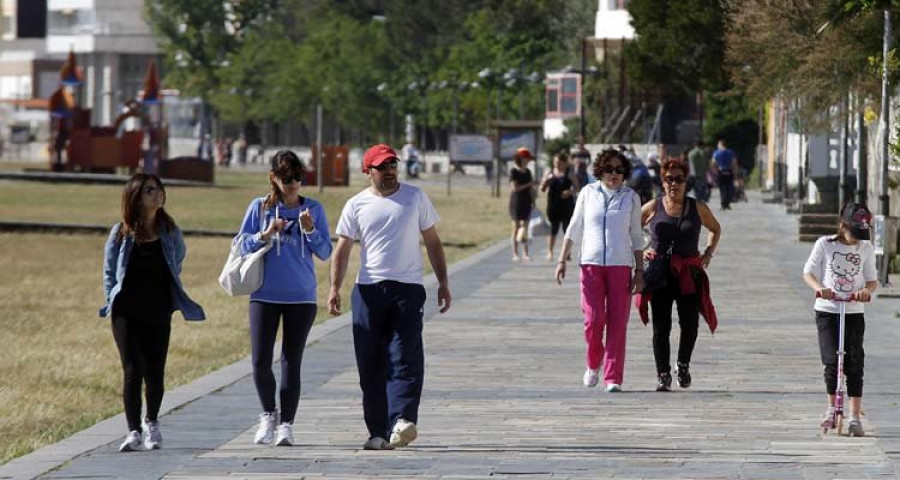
x: 503, y: 395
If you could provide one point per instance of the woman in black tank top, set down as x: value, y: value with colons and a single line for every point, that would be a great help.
x: 674, y: 220
x: 561, y: 186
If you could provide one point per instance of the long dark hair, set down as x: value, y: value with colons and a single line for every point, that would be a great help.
x: 133, y: 210
x: 284, y: 164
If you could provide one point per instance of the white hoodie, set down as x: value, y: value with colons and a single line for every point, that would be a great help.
x: 607, y: 225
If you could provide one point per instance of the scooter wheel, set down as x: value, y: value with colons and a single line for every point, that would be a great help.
x: 839, y: 427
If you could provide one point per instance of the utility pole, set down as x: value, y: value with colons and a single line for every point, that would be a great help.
x: 862, y: 171
x: 885, y: 114
x: 842, y: 152
x: 319, y: 150
x: 582, y: 128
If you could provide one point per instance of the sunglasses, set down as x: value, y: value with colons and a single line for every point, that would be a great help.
x: 386, y: 166
x: 617, y: 170
x: 150, y: 190
x: 674, y: 180
x: 289, y: 180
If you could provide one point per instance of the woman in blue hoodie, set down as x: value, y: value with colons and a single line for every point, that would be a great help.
x: 299, y: 230
x: 141, y: 267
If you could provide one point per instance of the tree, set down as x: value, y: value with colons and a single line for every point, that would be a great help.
x: 198, y: 35
x: 680, y: 46
x: 775, y: 49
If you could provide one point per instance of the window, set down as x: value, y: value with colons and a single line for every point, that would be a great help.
x: 563, y: 95
x: 552, y: 101
x: 8, y: 27
x: 71, y: 22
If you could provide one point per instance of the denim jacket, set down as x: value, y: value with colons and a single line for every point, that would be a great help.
x: 115, y: 262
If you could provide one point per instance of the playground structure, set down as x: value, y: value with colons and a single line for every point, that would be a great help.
x: 103, y: 149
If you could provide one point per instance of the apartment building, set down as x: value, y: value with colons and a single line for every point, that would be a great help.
x: 27, y: 70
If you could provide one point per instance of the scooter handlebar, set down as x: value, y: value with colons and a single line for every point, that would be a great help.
x: 841, y: 297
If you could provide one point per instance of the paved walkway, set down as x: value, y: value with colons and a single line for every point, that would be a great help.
x: 503, y: 395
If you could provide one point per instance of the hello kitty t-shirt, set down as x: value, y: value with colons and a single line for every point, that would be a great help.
x: 842, y: 268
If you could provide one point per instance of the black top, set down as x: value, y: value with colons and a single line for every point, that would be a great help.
x: 555, y: 187
x: 520, y: 202
x: 666, y: 231
x: 147, y: 288
x: 520, y: 176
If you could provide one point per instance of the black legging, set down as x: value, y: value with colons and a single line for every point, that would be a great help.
x: 143, y: 343
x: 854, y: 356
x: 688, y: 319
x: 264, y: 318
x: 559, y: 216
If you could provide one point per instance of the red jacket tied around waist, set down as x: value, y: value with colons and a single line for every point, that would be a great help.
x: 681, y: 268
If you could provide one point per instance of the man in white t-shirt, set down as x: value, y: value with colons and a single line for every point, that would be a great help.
x: 388, y: 300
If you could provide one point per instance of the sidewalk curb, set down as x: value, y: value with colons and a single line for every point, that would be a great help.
x: 110, y: 430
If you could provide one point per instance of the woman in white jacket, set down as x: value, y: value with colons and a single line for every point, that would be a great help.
x: 607, y: 226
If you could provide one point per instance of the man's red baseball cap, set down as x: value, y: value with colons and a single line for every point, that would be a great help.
x: 376, y: 155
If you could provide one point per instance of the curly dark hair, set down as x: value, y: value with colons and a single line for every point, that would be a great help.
x: 604, y: 158
x: 674, y: 163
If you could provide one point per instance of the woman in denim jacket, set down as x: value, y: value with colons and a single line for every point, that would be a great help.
x: 141, y: 267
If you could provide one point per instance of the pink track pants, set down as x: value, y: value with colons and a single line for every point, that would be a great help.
x: 606, y: 303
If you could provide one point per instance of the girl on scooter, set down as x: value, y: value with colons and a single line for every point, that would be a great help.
x: 843, y: 264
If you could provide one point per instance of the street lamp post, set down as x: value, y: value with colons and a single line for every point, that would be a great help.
x: 486, y: 76
x: 383, y: 90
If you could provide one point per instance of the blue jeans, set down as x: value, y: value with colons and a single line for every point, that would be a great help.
x: 387, y: 339
x: 701, y: 190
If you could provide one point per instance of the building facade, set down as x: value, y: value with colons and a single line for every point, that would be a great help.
x: 113, y: 44
x: 27, y: 70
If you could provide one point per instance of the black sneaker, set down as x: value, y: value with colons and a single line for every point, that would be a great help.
x: 664, y: 382
x: 683, y: 372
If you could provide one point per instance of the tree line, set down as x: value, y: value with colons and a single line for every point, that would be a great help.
x: 368, y: 62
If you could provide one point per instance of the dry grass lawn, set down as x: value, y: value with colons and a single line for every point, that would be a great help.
x: 59, y: 365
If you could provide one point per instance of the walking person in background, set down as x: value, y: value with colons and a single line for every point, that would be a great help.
x: 142, y: 263
x: 725, y: 166
x: 699, y: 164
x: 675, y: 220
x: 521, y: 201
x: 388, y: 218
x: 607, y: 226
x: 640, y: 180
x: 843, y: 264
x: 411, y: 158
x: 288, y: 291
x: 582, y: 159
x: 561, y: 187
x: 240, y: 145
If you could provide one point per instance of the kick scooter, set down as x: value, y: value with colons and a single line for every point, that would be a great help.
x: 835, y: 421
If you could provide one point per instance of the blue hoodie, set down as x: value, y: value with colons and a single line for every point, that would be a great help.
x: 291, y: 276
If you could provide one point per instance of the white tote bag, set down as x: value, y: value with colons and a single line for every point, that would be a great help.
x: 536, y: 224
x: 243, y: 274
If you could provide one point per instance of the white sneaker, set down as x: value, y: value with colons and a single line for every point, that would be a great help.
x: 855, y: 428
x: 152, y: 436
x: 132, y: 442
x: 613, y: 388
x: 266, y: 431
x: 377, y: 443
x: 285, y: 436
x: 591, y: 377
x: 403, y: 433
